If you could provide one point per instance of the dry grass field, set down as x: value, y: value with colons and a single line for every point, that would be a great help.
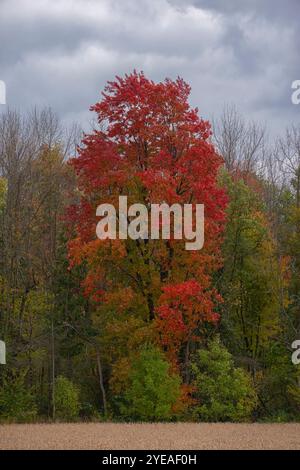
x: 111, y: 436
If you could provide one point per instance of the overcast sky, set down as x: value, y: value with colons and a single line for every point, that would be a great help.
x: 61, y: 52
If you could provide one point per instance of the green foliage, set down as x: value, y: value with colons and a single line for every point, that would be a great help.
x: 223, y: 392
x: 68, y: 300
x: 251, y: 275
x: 153, y: 390
x: 17, y: 402
x: 66, y: 399
x: 88, y: 412
x: 278, y: 376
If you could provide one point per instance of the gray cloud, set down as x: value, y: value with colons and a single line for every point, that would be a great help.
x: 61, y: 52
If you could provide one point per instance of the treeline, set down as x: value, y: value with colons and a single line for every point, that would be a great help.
x: 143, y: 329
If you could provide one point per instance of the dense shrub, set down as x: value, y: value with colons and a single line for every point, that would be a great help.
x: 66, y: 399
x: 153, y: 390
x: 223, y: 392
x: 278, y: 387
x: 17, y: 402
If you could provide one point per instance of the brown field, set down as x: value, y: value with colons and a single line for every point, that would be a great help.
x: 111, y: 436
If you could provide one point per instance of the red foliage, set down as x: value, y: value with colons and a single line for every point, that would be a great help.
x: 183, y: 309
x: 154, y: 148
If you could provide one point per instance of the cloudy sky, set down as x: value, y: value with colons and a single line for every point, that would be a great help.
x: 61, y: 52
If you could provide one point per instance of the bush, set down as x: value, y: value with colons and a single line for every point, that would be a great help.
x: 66, y: 399
x: 153, y: 391
x: 223, y: 392
x: 88, y: 412
x: 17, y: 402
x: 278, y: 387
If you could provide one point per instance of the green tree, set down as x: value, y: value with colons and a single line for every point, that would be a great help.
x: 223, y: 392
x: 66, y: 399
x: 252, y: 281
x: 153, y: 390
x: 278, y: 388
x: 17, y: 402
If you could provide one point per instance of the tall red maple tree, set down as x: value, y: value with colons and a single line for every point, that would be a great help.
x: 151, y: 146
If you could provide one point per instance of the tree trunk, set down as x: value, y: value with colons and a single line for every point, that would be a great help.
x: 101, y: 382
